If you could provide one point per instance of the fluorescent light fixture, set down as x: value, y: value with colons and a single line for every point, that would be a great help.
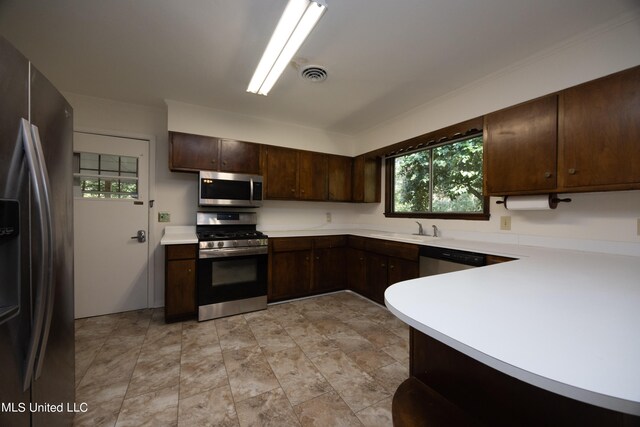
x: 297, y: 21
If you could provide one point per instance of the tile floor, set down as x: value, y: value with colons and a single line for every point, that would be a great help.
x: 331, y: 360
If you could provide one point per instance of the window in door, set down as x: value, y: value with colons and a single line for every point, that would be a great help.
x: 105, y: 176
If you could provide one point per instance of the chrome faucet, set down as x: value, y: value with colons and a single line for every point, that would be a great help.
x: 422, y: 233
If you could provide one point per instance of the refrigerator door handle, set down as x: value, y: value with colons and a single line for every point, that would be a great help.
x: 47, y: 254
x: 39, y: 282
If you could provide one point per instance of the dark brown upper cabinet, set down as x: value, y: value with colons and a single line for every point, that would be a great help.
x: 282, y: 173
x: 308, y: 175
x: 340, y: 173
x: 520, y: 145
x: 366, y: 179
x: 296, y: 174
x: 312, y: 175
x: 239, y: 156
x: 192, y: 153
x: 599, y: 134
x: 595, y: 147
x: 290, y: 174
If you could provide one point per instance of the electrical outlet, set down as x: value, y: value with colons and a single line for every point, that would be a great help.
x: 164, y: 217
x: 328, y: 216
x: 505, y: 223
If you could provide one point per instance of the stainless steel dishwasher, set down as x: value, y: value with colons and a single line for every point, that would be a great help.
x: 434, y: 260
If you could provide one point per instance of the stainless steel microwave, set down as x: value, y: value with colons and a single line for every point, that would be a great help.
x: 230, y: 189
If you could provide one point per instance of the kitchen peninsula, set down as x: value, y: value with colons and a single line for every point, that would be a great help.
x: 562, y: 321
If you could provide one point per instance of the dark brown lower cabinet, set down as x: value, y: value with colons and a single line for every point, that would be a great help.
x: 329, y: 264
x: 289, y: 267
x: 376, y: 279
x: 374, y: 265
x: 357, y: 272
x: 289, y: 274
x: 495, y: 398
x: 402, y: 269
x: 180, y: 282
x: 384, y: 271
x: 302, y: 266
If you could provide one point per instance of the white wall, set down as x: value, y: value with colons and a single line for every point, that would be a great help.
x: 596, y: 53
x: 595, y: 221
x: 600, y: 222
x: 208, y: 121
x: 592, y: 220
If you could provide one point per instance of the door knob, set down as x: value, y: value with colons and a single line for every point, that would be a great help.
x: 141, y: 236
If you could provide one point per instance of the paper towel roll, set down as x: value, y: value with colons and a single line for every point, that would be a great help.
x: 529, y: 203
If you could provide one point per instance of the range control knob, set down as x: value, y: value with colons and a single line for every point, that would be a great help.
x: 220, y: 244
x: 235, y: 243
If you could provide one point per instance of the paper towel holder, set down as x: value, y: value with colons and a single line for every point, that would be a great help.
x: 553, y: 200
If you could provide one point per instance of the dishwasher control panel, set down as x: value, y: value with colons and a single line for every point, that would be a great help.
x: 453, y: 255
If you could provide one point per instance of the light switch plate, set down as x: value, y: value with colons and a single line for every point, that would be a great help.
x: 164, y: 217
x: 505, y: 223
x: 328, y: 216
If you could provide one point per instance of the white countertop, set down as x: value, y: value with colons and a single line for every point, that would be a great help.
x: 565, y: 321
x: 179, y: 235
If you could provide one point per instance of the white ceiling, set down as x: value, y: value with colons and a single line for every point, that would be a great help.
x: 384, y: 57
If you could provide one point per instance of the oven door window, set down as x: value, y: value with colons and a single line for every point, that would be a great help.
x: 230, y: 279
x: 230, y: 272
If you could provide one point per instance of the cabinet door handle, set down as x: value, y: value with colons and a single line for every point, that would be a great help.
x: 572, y: 171
x: 224, y: 163
x: 383, y: 265
x: 547, y: 174
x: 391, y: 266
x: 318, y: 258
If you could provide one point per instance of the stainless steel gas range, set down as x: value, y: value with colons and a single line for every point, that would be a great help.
x: 232, y: 264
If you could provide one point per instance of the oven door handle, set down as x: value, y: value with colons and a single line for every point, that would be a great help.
x: 231, y: 252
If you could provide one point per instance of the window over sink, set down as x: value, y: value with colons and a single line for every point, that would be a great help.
x: 442, y: 180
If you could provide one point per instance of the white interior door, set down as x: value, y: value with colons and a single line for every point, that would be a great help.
x: 110, y: 207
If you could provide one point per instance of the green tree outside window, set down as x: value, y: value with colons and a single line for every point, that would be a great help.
x: 442, y: 179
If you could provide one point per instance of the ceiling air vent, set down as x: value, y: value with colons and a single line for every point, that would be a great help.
x: 313, y: 73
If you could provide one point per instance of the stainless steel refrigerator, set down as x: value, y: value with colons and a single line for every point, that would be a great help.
x: 36, y: 247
